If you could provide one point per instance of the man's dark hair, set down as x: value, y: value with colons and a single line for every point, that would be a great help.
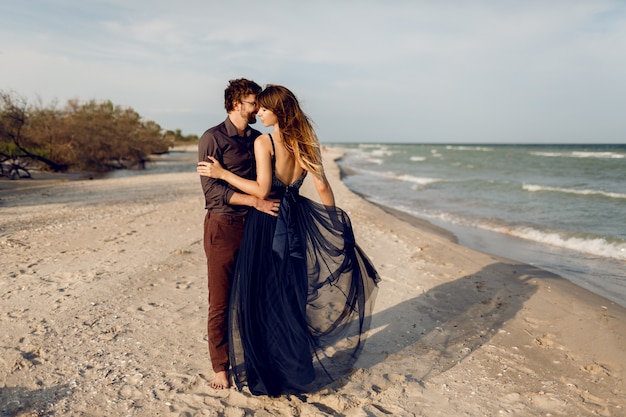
x: 237, y: 90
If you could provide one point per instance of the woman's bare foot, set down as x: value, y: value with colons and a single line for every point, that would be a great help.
x: 220, y: 381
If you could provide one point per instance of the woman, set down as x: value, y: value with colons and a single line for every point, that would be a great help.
x: 303, y: 291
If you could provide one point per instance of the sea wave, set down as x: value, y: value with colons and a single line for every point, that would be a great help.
x: 366, y: 154
x: 395, y: 176
x: 593, y: 246
x: 414, y: 179
x: 382, y: 152
x: 581, y: 154
x: 469, y: 148
x: 406, y: 177
x: 539, y: 188
x: 596, y: 246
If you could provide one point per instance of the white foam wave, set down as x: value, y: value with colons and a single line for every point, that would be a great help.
x: 416, y: 180
x: 365, y: 156
x: 399, y: 177
x: 580, y: 154
x: 593, y: 246
x: 417, y: 158
x: 469, y: 148
x: 373, y: 152
x: 382, y: 152
x: 538, y: 188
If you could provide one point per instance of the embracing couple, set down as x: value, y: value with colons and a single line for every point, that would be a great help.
x: 290, y: 291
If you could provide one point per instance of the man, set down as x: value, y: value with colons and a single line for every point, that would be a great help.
x: 231, y: 143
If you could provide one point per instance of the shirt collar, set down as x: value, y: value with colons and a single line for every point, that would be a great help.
x: 231, y: 130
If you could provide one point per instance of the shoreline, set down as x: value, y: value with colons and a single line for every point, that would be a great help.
x: 414, y: 221
x: 104, y: 313
x: 539, y: 254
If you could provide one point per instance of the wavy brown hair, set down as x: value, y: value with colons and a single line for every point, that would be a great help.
x: 237, y: 90
x: 296, y: 127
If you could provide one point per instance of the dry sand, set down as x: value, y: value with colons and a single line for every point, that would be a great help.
x: 103, y: 312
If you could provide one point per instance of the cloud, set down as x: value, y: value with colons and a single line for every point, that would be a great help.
x: 366, y: 70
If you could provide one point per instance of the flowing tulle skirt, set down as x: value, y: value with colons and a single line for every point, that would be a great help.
x: 301, y: 300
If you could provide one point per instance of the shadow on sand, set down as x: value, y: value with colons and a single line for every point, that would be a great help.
x: 19, y: 401
x: 442, y: 326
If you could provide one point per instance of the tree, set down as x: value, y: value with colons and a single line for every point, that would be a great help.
x: 16, y: 147
x: 94, y: 136
x: 177, y: 137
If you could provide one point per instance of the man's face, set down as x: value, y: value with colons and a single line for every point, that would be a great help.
x: 249, y: 108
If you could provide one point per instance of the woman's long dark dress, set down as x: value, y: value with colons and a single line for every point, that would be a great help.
x: 302, y: 297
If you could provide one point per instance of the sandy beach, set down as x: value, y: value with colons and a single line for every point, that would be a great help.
x: 104, y: 302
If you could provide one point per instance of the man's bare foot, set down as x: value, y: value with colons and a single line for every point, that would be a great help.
x: 220, y: 381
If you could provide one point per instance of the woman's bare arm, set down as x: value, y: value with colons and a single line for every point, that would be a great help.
x: 260, y: 187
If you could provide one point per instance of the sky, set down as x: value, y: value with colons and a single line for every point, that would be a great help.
x: 365, y: 71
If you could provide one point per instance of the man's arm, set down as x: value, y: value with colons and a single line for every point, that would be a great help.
x: 213, y: 189
x: 265, y: 206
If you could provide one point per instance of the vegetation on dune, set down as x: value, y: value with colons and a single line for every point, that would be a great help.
x: 89, y: 136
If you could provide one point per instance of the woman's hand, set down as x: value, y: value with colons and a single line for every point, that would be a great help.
x: 211, y: 168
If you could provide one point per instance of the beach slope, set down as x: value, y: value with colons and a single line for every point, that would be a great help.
x: 103, y: 313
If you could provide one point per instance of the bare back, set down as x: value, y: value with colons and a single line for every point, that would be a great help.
x: 287, y: 170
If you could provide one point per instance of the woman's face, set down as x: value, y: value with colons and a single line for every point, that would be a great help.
x: 267, y: 117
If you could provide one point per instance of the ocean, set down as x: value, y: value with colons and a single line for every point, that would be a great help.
x: 558, y: 207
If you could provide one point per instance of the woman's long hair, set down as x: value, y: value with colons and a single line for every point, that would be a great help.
x: 297, y: 130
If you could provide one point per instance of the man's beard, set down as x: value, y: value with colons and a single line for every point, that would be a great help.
x: 250, y: 116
